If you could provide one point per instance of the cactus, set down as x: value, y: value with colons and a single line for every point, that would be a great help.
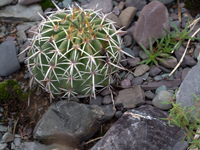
x: 74, y: 51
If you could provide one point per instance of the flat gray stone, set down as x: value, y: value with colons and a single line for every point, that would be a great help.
x: 141, y: 69
x: 20, y: 13
x: 164, y: 1
x: 190, y: 84
x: 139, y: 4
x: 131, y: 97
x: 72, y: 121
x: 8, y: 59
x: 140, y: 129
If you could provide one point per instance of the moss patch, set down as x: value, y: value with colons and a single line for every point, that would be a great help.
x: 47, y: 4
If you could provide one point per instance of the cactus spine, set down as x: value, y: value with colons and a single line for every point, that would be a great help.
x: 74, y: 51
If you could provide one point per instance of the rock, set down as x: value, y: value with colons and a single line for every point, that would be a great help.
x: 128, y: 52
x: 133, y: 61
x: 155, y: 85
x: 137, y: 81
x: 3, y: 146
x: 22, y: 27
x: 174, y: 16
x: 178, y: 55
x: 136, y: 50
x: 8, y: 59
x: 96, y: 101
x: 17, y: 141
x: 7, y: 137
x: 130, y: 30
x: 105, y: 92
x: 121, y: 5
x: 161, y: 88
x: 141, y: 128
x: 164, y: 69
x: 15, y: 13
x: 169, y: 62
x: 127, y: 16
x: 143, y: 55
x: 125, y: 83
x: 177, y: 74
x: 189, y: 86
x: 72, y: 121
x: 5, y: 2
x: 138, y: 4
x: 165, y: 2
x: 27, y: 2
x: 114, y: 18
x: 181, y: 145
x: 38, y: 146
x: 131, y: 97
x: 154, y: 70
x: 149, y: 94
x: 185, y: 72
x: 105, y: 5
x: 162, y: 96
x: 10, y: 38
x: 22, y: 35
x: 118, y: 114
x: 189, y: 60
x: 66, y: 3
x: 140, y: 70
x: 107, y: 100
x: 116, y: 10
x: 3, y: 128
x: 127, y: 40
x: 130, y: 77
x: 154, y: 17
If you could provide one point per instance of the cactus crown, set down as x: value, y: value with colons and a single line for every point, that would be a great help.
x: 74, y: 51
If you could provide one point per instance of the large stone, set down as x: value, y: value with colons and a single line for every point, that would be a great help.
x: 127, y: 16
x: 131, y: 97
x: 72, y: 121
x: 27, y: 2
x: 20, y: 13
x: 154, y: 17
x: 8, y: 58
x: 5, y: 2
x: 155, y: 85
x: 140, y: 129
x: 189, y: 86
x: 105, y: 5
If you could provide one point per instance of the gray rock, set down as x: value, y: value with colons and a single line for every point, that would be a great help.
x: 114, y: 18
x: 96, y: 101
x: 189, y: 86
x: 149, y: 94
x: 137, y: 81
x: 127, y: 40
x: 130, y: 30
x: 142, y: 129
x: 66, y: 3
x: 158, y: 78
x: 130, y: 77
x: 181, y: 145
x: 189, y: 60
x: 5, y: 2
x: 138, y: 4
x: 136, y: 50
x: 10, y: 38
x: 155, y: 85
x: 107, y: 100
x: 126, y: 83
x: 22, y: 27
x: 38, y: 146
x: 27, y: 2
x: 143, y: 55
x: 105, y: 5
x: 121, y: 5
x: 161, y: 88
x: 17, y: 141
x: 15, y: 13
x: 72, y: 121
x: 154, y: 17
x: 169, y: 62
x: 118, y: 114
x: 127, y: 16
x: 154, y: 70
x: 7, y: 137
x: 165, y: 2
x: 129, y: 51
x: 162, y: 96
x: 140, y: 70
x: 3, y: 146
x: 164, y: 69
x: 177, y: 74
x: 8, y: 59
x: 116, y: 10
x: 3, y: 128
x: 22, y: 35
x: 131, y: 97
x: 185, y: 72
x: 105, y: 92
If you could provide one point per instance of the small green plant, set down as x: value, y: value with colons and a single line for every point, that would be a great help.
x: 9, y: 89
x: 185, y: 118
x: 166, y: 45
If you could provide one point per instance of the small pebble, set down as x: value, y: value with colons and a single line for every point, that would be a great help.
x: 125, y: 83
x: 107, y: 100
x: 118, y: 114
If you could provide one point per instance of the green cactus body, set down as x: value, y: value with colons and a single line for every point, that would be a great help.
x: 74, y: 51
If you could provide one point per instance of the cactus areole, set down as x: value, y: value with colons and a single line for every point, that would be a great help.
x: 74, y: 51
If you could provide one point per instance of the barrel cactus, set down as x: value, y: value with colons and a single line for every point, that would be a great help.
x: 74, y: 52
